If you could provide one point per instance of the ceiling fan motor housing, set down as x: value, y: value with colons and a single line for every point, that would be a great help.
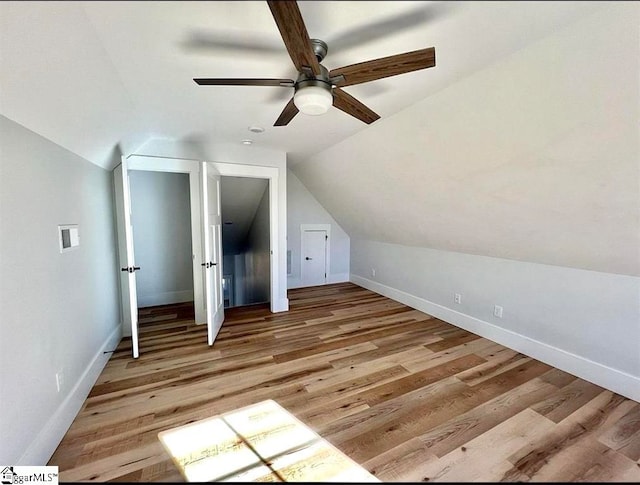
x: 307, y: 78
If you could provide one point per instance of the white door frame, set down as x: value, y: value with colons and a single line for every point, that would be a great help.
x: 316, y: 227
x: 271, y: 174
x: 192, y: 168
x: 277, y: 216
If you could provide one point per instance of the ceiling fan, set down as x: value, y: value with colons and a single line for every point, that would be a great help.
x: 316, y: 89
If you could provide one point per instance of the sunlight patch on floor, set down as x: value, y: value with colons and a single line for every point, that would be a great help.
x: 261, y: 442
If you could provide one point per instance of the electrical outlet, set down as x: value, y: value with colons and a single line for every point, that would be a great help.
x: 497, y: 311
x: 373, y: 272
x: 60, y: 379
x: 457, y: 298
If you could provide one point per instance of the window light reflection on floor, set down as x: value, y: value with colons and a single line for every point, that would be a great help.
x: 261, y: 442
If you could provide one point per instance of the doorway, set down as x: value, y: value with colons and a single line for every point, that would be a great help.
x: 245, y: 240
x: 204, y: 178
x: 161, y: 218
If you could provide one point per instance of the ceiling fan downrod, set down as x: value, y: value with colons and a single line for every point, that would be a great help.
x: 306, y: 77
x: 320, y: 49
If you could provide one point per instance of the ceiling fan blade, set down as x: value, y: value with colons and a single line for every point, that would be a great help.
x: 350, y: 105
x: 385, y: 66
x: 287, y: 114
x: 294, y: 34
x: 288, y: 83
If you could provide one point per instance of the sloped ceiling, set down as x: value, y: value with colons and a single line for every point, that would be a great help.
x: 534, y: 158
x: 521, y: 143
x: 100, y: 78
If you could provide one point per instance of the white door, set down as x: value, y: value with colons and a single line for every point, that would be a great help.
x: 127, y: 267
x: 314, y: 258
x: 212, y: 265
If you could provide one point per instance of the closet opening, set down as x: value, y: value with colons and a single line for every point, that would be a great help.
x: 246, y: 270
x: 162, y: 239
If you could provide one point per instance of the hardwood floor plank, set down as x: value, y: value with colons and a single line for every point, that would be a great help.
x: 502, y: 362
x: 325, y: 397
x: 546, y: 456
x: 414, y: 420
x: 624, y: 435
x: 399, y: 391
x: 420, y: 379
x: 566, y: 400
x: 484, y: 458
x: 464, y: 427
x: 407, y: 462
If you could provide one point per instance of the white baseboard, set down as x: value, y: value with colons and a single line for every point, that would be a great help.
x: 615, y: 380
x: 42, y: 448
x: 282, y: 305
x: 164, y: 298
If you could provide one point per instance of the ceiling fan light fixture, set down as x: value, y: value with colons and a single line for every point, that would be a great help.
x: 313, y: 100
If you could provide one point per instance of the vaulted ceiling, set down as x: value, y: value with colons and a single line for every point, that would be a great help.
x: 96, y: 76
x: 521, y: 143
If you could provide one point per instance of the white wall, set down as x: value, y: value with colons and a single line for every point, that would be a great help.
x: 584, y: 322
x: 530, y: 167
x: 58, y: 311
x: 303, y: 208
x: 229, y: 268
x: 257, y: 255
x: 239, y: 278
x: 533, y: 158
x: 161, y: 219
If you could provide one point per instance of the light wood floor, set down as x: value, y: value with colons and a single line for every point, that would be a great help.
x: 406, y: 395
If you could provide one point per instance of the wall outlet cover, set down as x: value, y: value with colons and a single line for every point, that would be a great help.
x: 497, y: 311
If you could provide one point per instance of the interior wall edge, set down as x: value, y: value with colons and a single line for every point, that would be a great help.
x: 42, y: 448
x: 613, y: 379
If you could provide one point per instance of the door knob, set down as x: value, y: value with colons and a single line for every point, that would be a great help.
x: 308, y: 258
x: 130, y: 269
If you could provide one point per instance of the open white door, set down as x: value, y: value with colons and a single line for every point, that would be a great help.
x: 127, y: 267
x: 212, y: 265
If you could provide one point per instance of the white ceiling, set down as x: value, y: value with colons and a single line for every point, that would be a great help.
x: 97, y: 77
x: 534, y: 158
x: 520, y: 143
